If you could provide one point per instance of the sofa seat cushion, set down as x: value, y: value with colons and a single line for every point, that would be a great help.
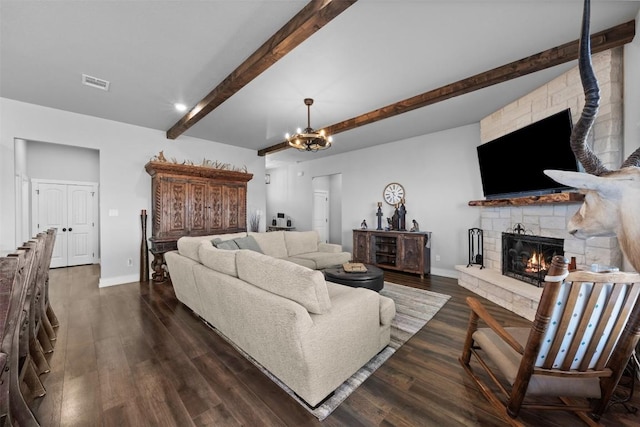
x: 271, y: 243
x: 325, y: 259
x: 300, y: 284
x: 309, y: 263
x: 221, y: 260
x: 301, y: 242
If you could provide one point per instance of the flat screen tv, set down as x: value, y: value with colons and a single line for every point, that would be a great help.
x: 512, y: 165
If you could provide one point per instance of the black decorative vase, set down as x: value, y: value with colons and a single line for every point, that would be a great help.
x: 144, y: 250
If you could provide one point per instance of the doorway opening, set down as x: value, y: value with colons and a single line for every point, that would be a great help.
x: 327, y: 207
x: 57, y: 186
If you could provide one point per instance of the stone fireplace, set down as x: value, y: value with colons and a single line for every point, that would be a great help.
x: 547, y: 220
x: 527, y: 257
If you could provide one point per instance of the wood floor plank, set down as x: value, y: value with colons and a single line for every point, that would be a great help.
x: 117, y: 387
x: 133, y: 355
x: 242, y: 403
x: 81, y: 401
x: 159, y: 399
x: 193, y: 389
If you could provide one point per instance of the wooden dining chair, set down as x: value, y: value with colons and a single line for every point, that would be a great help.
x: 17, y: 370
x: 584, y: 333
x: 49, y: 320
x: 44, y: 330
x: 30, y: 341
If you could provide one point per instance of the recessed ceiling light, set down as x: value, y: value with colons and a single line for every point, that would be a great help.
x: 180, y: 107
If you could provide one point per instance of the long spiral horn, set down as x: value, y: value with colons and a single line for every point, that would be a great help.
x: 582, y: 151
x: 633, y: 159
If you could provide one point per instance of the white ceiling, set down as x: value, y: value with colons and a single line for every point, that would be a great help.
x: 377, y: 52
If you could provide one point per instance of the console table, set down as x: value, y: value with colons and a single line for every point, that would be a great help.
x: 190, y: 200
x: 276, y: 228
x: 406, y: 251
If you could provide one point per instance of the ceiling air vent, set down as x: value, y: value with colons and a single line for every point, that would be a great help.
x: 95, y: 82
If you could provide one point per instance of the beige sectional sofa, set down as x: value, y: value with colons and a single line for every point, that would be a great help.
x: 309, y: 333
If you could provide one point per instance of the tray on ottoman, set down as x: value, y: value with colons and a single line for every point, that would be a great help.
x: 372, y: 278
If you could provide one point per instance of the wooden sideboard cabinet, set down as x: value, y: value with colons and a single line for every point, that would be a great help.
x: 394, y: 250
x: 192, y: 200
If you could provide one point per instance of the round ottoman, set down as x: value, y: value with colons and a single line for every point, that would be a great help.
x: 372, y: 279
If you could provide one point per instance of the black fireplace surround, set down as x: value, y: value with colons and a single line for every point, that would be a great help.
x: 527, y: 257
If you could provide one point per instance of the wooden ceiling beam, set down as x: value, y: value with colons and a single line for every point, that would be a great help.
x: 607, y: 39
x: 315, y: 15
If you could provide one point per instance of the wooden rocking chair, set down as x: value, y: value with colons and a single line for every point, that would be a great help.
x: 585, y: 330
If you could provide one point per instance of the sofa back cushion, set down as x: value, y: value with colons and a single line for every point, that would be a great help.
x: 271, y: 243
x: 295, y: 282
x: 301, y: 242
x: 189, y: 245
x: 221, y: 260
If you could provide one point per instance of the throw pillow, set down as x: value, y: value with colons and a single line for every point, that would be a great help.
x: 248, y: 243
x: 224, y: 244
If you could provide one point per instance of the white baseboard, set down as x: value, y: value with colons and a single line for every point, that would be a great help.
x: 453, y: 274
x: 119, y: 280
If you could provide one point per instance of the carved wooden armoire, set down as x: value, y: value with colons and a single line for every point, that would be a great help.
x: 192, y: 200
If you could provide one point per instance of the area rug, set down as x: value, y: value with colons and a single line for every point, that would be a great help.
x: 414, y: 308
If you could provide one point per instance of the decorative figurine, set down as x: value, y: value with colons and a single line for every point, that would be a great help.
x: 159, y: 157
x: 395, y: 219
x: 389, y: 224
x: 379, y: 215
x: 416, y: 226
x: 402, y: 214
x: 363, y: 224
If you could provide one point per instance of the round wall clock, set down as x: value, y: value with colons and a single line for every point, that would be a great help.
x: 393, y: 193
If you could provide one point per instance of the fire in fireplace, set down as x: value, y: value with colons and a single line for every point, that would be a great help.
x: 527, y: 257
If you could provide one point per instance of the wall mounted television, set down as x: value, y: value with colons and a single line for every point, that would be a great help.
x: 513, y: 164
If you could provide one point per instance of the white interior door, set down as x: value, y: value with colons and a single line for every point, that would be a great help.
x: 51, y: 203
x: 321, y: 214
x: 70, y: 209
x: 80, y: 225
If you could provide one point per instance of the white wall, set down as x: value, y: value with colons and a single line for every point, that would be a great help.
x: 438, y: 171
x: 62, y: 162
x: 124, y: 184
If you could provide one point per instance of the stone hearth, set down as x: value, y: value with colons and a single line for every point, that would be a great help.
x: 514, y: 295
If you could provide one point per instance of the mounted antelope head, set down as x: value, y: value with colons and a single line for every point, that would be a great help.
x: 612, y: 197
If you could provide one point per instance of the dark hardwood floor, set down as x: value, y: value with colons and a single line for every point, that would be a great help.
x: 132, y: 355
